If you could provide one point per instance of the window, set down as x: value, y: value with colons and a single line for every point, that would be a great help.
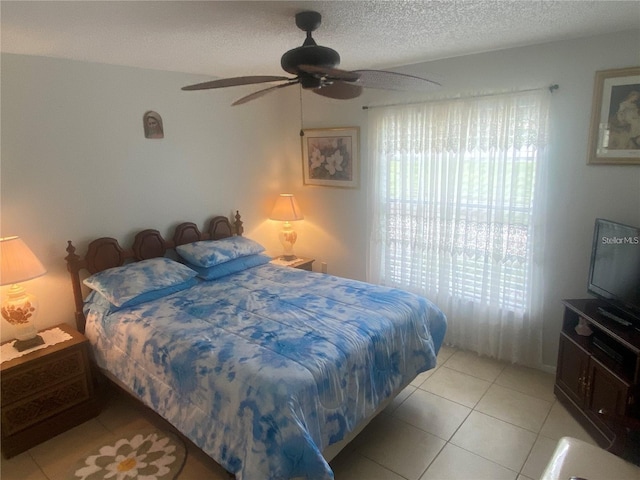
x: 456, y: 190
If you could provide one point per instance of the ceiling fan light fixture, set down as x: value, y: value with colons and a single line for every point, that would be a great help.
x: 309, y: 81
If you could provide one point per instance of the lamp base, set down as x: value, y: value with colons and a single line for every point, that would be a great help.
x: 288, y: 258
x: 22, y: 345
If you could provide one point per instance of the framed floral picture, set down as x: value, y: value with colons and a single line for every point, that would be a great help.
x: 614, y: 137
x: 330, y: 156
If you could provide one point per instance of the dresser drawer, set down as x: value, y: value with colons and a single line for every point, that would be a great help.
x: 41, y: 375
x: 37, y: 407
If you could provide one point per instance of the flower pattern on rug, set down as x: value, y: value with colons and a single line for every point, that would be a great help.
x: 143, y: 457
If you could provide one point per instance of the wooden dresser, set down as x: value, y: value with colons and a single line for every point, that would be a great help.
x: 598, y: 376
x: 45, y: 393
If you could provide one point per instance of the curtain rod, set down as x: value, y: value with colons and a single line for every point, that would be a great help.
x: 551, y: 89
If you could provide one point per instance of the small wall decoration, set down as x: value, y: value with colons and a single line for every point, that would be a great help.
x: 614, y: 137
x: 330, y: 156
x: 152, y: 122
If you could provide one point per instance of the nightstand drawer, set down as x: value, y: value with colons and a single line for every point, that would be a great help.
x: 41, y: 376
x: 33, y: 409
x: 46, y: 392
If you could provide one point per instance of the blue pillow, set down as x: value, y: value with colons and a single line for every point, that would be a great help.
x: 123, y: 285
x: 98, y: 301
x: 232, y: 266
x: 208, y: 253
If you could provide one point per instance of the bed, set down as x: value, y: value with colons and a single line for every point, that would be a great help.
x: 269, y: 370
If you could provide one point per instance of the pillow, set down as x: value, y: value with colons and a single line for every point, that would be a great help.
x: 155, y: 294
x: 95, y: 301
x: 208, y: 253
x: 98, y: 301
x: 232, y: 266
x: 122, y: 285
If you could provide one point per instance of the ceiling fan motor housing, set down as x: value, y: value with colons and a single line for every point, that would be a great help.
x: 309, y: 53
x: 315, y: 55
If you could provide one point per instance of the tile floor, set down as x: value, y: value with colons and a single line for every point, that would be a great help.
x: 469, y: 418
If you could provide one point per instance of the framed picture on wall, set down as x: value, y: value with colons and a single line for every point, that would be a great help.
x: 614, y: 137
x: 152, y: 123
x: 330, y: 156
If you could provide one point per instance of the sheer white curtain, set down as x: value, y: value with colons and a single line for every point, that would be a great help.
x: 456, y: 196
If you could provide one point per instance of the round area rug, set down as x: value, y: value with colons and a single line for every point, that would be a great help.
x: 150, y: 455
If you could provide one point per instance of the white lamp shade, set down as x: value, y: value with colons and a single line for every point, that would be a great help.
x: 17, y: 262
x: 286, y: 209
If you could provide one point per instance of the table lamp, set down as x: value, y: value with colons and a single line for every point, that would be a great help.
x: 286, y: 209
x: 19, y: 264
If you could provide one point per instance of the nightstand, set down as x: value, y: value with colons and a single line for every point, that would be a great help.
x: 46, y: 392
x: 299, y: 263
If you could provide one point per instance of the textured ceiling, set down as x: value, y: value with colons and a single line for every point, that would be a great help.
x: 234, y: 38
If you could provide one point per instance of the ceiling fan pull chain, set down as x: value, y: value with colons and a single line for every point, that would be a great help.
x: 301, y: 120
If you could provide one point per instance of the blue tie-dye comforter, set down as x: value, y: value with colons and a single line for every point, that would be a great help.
x: 265, y: 368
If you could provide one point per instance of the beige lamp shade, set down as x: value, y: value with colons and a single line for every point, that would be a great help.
x: 286, y: 209
x: 17, y: 262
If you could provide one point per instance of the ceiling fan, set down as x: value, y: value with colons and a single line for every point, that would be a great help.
x: 314, y: 67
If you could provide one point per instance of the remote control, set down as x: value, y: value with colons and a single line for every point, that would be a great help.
x: 614, y: 317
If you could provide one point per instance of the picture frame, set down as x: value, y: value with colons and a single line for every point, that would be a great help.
x: 152, y: 124
x: 614, y: 135
x: 330, y: 157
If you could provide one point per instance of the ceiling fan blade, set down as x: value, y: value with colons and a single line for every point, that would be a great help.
x: 339, y: 90
x: 262, y: 92
x: 232, y: 82
x: 395, y: 81
x: 332, y: 73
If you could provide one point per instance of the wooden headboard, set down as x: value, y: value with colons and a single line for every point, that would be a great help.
x: 106, y: 252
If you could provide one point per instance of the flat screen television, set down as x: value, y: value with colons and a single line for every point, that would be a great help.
x: 614, y: 272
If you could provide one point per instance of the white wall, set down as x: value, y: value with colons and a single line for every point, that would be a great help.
x: 65, y: 123
x: 76, y: 165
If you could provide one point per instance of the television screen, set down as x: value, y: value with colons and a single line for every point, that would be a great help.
x: 614, y: 273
